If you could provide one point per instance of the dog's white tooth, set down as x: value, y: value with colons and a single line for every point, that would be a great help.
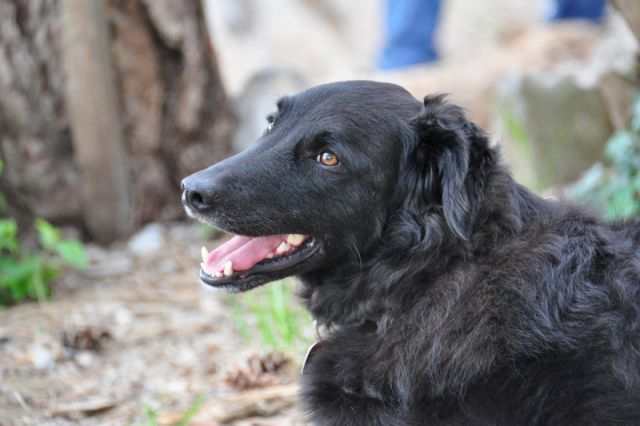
x: 270, y: 256
x: 228, y: 268
x: 282, y: 248
x: 218, y: 274
x: 295, y: 239
x: 205, y: 269
x: 205, y: 253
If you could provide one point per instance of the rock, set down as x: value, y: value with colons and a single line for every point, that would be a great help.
x: 114, y: 266
x: 41, y: 357
x: 85, y: 358
x: 147, y: 241
x: 617, y: 57
x: 553, y: 125
x: 107, y: 263
x: 259, y: 99
x: 322, y: 40
x: 617, y: 51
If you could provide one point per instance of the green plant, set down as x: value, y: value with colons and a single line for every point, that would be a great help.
x: 272, y: 314
x: 151, y: 415
x: 191, y: 412
x: 26, y: 275
x: 615, y: 185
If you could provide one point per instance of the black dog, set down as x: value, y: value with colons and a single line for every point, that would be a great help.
x: 452, y: 295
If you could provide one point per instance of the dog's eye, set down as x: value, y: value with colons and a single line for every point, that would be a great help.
x: 327, y: 158
x: 271, y: 119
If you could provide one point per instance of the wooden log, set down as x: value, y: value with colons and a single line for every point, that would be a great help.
x: 94, y: 117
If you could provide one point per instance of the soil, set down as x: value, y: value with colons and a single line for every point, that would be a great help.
x: 132, y: 333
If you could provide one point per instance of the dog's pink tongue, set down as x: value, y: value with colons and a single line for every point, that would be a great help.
x: 243, y: 252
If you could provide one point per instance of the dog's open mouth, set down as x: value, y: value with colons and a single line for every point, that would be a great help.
x: 243, y: 262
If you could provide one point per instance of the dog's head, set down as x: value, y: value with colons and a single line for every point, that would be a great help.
x: 334, y: 164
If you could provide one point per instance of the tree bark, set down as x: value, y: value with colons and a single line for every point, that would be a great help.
x: 96, y: 130
x: 171, y: 105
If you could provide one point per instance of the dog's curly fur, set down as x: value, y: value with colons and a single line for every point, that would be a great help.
x: 456, y: 296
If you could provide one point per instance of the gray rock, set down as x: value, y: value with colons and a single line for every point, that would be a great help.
x: 259, y: 99
x: 552, y: 126
x: 85, y: 358
x: 148, y: 240
x: 41, y: 357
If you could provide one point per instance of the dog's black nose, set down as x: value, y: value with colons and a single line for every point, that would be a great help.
x: 197, y: 196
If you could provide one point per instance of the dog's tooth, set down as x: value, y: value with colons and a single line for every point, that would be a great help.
x: 270, y: 256
x: 295, y: 239
x: 218, y: 274
x: 205, y: 269
x: 283, y: 247
x: 205, y: 253
x: 228, y: 268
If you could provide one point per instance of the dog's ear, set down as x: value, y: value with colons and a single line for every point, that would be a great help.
x: 452, y: 156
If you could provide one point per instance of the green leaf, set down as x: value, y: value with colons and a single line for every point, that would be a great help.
x: 72, y: 253
x: 26, y: 277
x: 622, y: 202
x: 191, y: 411
x: 49, y: 234
x: 16, y: 270
x: 620, y: 148
x: 151, y: 415
x: 588, y: 182
x: 8, y: 232
x: 18, y: 275
x: 11, y: 272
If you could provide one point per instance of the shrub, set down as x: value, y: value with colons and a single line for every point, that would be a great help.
x: 614, y: 186
x: 27, y: 274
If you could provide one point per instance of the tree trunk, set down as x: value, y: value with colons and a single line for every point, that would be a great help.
x: 170, y: 101
x: 96, y: 130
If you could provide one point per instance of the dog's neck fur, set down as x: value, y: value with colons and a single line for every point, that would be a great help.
x: 336, y: 295
x: 379, y: 292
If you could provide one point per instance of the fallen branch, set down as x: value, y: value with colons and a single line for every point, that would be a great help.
x: 257, y: 402
x: 85, y: 407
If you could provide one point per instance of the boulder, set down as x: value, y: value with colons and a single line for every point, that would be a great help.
x: 258, y: 99
x: 552, y: 127
x: 554, y: 124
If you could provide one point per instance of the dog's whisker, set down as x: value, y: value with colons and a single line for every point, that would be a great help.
x: 355, y: 248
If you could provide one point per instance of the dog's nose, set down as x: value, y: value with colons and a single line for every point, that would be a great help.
x: 195, y: 196
x: 195, y: 200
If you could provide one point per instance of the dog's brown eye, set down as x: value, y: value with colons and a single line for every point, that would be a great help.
x: 327, y: 158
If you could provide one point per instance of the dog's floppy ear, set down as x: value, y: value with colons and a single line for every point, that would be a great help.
x: 452, y: 155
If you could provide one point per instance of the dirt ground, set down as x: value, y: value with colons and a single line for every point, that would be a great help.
x: 131, y: 337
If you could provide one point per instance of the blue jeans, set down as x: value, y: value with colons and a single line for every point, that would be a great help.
x: 591, y: 10
x: 411, y: 26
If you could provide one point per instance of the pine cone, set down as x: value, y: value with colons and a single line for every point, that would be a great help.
x: 85, y: 338
x: 258, y: 372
